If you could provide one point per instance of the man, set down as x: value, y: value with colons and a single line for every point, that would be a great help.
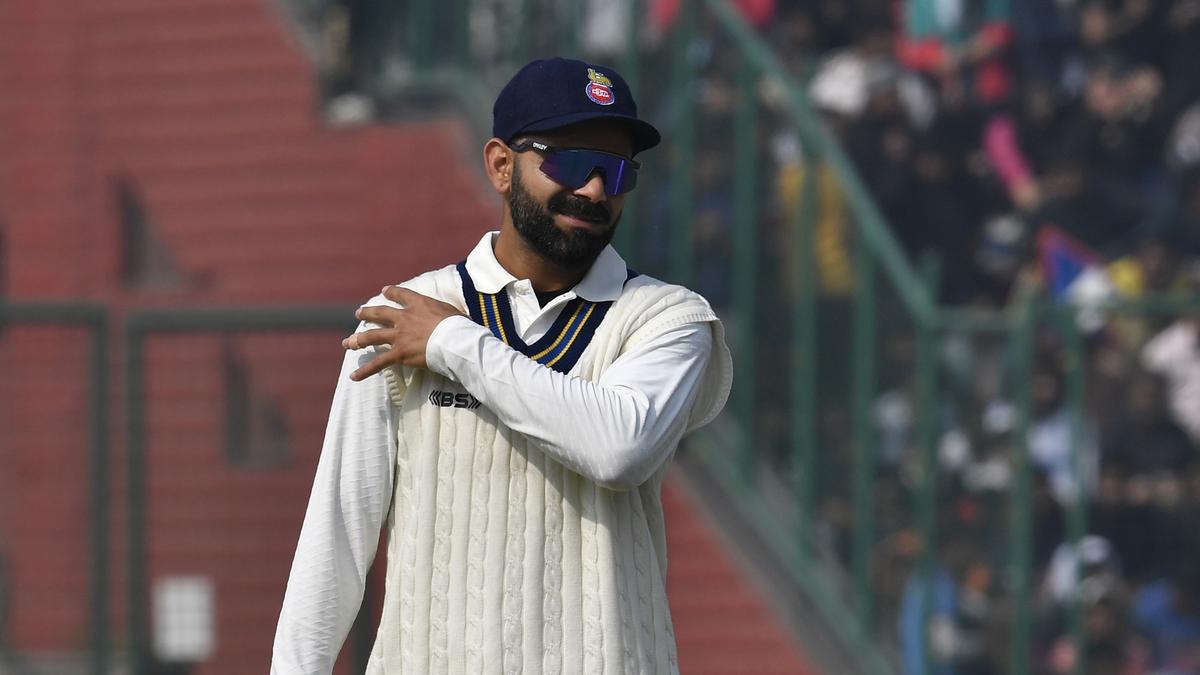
x: 513, y: 416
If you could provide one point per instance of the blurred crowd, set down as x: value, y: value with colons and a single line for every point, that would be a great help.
x: 1044, y: 146
x: 1025, y: 146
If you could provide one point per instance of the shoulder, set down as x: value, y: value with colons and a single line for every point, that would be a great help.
x: 442, y: 283
x: 645, y: 287
x: 662, y: 303
x: 650, y: 309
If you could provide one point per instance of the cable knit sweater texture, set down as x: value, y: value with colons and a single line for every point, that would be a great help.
x: 503, y: 560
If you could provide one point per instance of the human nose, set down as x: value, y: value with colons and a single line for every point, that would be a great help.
x: 593, y: 189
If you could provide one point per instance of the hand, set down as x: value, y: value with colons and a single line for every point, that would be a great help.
x: 405, y: 332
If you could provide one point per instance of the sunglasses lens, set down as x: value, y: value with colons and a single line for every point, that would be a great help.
x: 573, y: 168
x: 620, y: 176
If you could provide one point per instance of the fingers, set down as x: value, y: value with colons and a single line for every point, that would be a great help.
x: 422, y: 304
x: 402, y: 296
x: 371, y: 367
x: 368, y: 338
x: 405, y: 332
x: 389, y: 316
x: 380, y: 314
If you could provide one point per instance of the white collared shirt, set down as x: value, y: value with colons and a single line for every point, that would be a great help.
x: 616, y: 432
x: 602, y: 283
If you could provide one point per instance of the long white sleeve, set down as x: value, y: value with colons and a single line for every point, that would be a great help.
x: 349, y: 500
x: 615, y: 432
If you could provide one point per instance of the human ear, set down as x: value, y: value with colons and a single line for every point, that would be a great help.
x: 498, y: 162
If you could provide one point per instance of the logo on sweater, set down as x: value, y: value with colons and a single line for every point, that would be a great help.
x: 449, y: 399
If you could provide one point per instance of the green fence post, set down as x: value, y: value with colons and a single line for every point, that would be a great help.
x: 926, y: 507
x: 804, y: 355
x: 631, y: 60
x: 420, y: 34
x: 746, y: 263
x: 523, y: 43
x: 98, y: 469
x: 461, y: 35
x: 570, y: 18
x: 138, y: 326
x: 94, y: 318
x: 863, y: 392
x: 684, y: 147
x: 1021, y: 541
x: 135, y: 477
x: 1077, y: 515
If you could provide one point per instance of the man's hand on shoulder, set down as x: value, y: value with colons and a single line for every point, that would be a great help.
x: 405, y: 332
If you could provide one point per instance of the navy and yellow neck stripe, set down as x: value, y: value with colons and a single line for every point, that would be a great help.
x: 560, y: 347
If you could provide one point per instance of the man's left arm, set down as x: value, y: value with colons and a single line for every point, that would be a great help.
x: 616, y: 431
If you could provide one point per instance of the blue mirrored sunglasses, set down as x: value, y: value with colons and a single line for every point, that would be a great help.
x: 573, y: 167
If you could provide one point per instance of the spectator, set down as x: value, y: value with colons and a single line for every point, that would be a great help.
x: 1082, y: 570
x: 1182, y: 27
x: 955, y: 642
x: 1125, y: 122
x: 713, y: 216
x: 960, y: 44
x: 1050, y: 438
x: 1112, y: 520
x: 1169, y: 611
x: 1175, y: 218
x: 663, y: 13
x: 1042, y: 35
x: 1144, y: 440
x: 998, y: 257
x: 1175, y: 354
x: 1098, y: 138
x: 1019, y: 144
x: 882, y: 144
x: 1140, y: 31
x: 1099, y: 28
x: 892, y: 563
x: 1113, y: 645
x: 796, y: 36
x: 1153, y: 267
x: 1189, y: 513
x: 931, y: 216
x: 1049, y: 522
x: 846, y: 81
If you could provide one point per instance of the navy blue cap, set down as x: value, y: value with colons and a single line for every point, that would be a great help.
x: 552, y: 93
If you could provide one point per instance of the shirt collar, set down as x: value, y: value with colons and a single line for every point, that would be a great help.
x: 603, y: 282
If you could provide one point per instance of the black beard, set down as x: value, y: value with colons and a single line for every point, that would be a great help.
x: 569, y: 249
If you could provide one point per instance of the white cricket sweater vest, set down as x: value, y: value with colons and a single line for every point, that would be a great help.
x: 501, y: 560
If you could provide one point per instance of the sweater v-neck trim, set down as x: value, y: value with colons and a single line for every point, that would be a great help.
x: 561, y: 346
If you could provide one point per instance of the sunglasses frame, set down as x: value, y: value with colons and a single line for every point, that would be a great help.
x: 540, y: 147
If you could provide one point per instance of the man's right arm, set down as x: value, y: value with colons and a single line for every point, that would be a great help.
x: 350, y: 496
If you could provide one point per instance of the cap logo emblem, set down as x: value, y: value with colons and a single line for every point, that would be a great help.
x: 599, y: 88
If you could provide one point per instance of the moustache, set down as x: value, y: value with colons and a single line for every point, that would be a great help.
x: 578, y: 207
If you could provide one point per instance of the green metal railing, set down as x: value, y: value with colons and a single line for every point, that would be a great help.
x: 93, y: 318
x: 1019, y: 327
x: 138, y: 327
